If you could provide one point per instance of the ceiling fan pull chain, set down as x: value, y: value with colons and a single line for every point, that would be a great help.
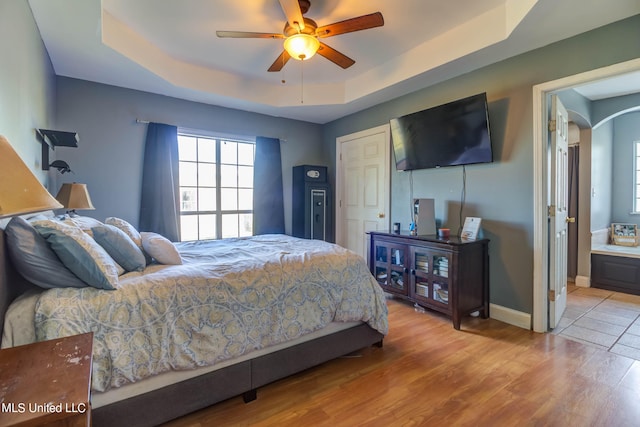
x: 301, y: 82
x: 284, y: 80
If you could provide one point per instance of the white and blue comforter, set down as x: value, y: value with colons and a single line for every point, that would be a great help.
x: 230, y: 297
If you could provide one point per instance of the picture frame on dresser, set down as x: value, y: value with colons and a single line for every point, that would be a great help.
x: 471, y: 228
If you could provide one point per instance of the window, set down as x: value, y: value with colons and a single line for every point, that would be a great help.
x: 216, y: 187
x: 636, y: 177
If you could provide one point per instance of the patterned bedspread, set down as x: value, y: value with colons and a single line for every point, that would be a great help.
x: 230, y: 297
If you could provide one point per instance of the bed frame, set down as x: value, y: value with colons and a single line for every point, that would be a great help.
x: 244, y: 378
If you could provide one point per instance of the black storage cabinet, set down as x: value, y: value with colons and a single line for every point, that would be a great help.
x: 312, y: 216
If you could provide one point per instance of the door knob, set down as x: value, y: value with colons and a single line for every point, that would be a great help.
x: 570, y: 219
x: 380, y: 214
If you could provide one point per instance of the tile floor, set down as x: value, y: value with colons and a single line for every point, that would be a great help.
x: 604, y: 319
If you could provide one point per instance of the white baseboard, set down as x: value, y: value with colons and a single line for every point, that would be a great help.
x: 583, y: 281
x: 510, y: 316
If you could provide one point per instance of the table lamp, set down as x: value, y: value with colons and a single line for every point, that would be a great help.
x: 20, y: 191
x: 74, y: 196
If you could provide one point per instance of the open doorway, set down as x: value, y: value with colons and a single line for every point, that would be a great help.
x: 580, y: 160
x: 542, y: 261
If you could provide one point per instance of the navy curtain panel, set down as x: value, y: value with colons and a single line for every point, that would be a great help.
x: 160, y: 203
x: 268, y: 201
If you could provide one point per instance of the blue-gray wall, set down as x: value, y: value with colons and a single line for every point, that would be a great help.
x: 626, y: 131
x: 578, y: 107
x: 27, y: 89
x: 501, y: 193
x: 616, y: 123
x: 601, y: 176
x: 109, y: 156
x: 604, y: 109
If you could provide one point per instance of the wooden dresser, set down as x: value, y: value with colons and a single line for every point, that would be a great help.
x: 47, y: 382
x: 450, y: 276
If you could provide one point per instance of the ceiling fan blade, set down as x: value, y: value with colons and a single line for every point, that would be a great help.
x: 248, y: 35
x: 350, y: 25
x: 334, y: 56
x: 291, y: 9
x: 279, y: 63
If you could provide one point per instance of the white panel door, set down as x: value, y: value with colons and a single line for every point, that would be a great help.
x: 362, y: 186
x: 558, y: 211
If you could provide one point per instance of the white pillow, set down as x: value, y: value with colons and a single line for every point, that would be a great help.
x: 160, y: 248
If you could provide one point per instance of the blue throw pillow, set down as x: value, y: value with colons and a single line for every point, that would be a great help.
x: 122, y: 249
x: 80, y: 253
x: 35, y: 260
x: 130, y: 231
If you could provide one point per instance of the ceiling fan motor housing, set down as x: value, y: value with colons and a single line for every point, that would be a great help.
x: 304, y: 6
x: 310, y: 27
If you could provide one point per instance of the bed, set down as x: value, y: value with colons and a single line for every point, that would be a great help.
x: 235, y: 315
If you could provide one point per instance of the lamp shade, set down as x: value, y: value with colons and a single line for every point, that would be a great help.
x: 20, y: 190
x: 301, y: 46
x: 74, y: 196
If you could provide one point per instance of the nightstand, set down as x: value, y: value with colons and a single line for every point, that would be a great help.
x: 47, y: 382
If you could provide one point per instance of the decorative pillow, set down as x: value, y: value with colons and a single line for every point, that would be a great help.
x: 120, y: 246
x: 80, y: 253
x: 42, y: 215
x: 130, y: 231
x: 160, y: 248
x: 120, y: 268
x: 35, y: 260
x: 85, y: 223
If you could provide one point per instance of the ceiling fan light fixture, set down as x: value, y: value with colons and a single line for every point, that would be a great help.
x: 301, y: 46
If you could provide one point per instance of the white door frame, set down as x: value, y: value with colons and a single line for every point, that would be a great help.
x: 339, y: 173
x: 541, y: 179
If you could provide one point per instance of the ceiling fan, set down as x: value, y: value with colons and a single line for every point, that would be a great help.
x: 301, y: 35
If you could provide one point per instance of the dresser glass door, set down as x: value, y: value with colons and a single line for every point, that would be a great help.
x: 441, y: 279
x: 390, y: 270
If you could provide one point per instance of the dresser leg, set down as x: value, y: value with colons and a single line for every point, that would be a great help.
x: 456, y: 321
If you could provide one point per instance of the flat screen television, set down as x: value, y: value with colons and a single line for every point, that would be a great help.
x: 456, y: 133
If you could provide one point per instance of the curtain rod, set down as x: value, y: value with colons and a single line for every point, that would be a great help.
x: 146, y: 122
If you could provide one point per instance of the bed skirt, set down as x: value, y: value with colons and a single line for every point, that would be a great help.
x: 243, y: 378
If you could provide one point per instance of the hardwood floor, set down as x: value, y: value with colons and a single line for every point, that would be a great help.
x: 427, y: 373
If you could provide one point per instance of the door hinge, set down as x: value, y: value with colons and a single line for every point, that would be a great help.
x: 552, y: 125
x: 552, y: 210
x: 552, y: 295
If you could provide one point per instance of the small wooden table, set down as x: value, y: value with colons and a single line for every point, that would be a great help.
x: 47, y: 382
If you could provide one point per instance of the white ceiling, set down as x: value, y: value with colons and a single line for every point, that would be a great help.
x: 625, y: 84
x: 169, y: 47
